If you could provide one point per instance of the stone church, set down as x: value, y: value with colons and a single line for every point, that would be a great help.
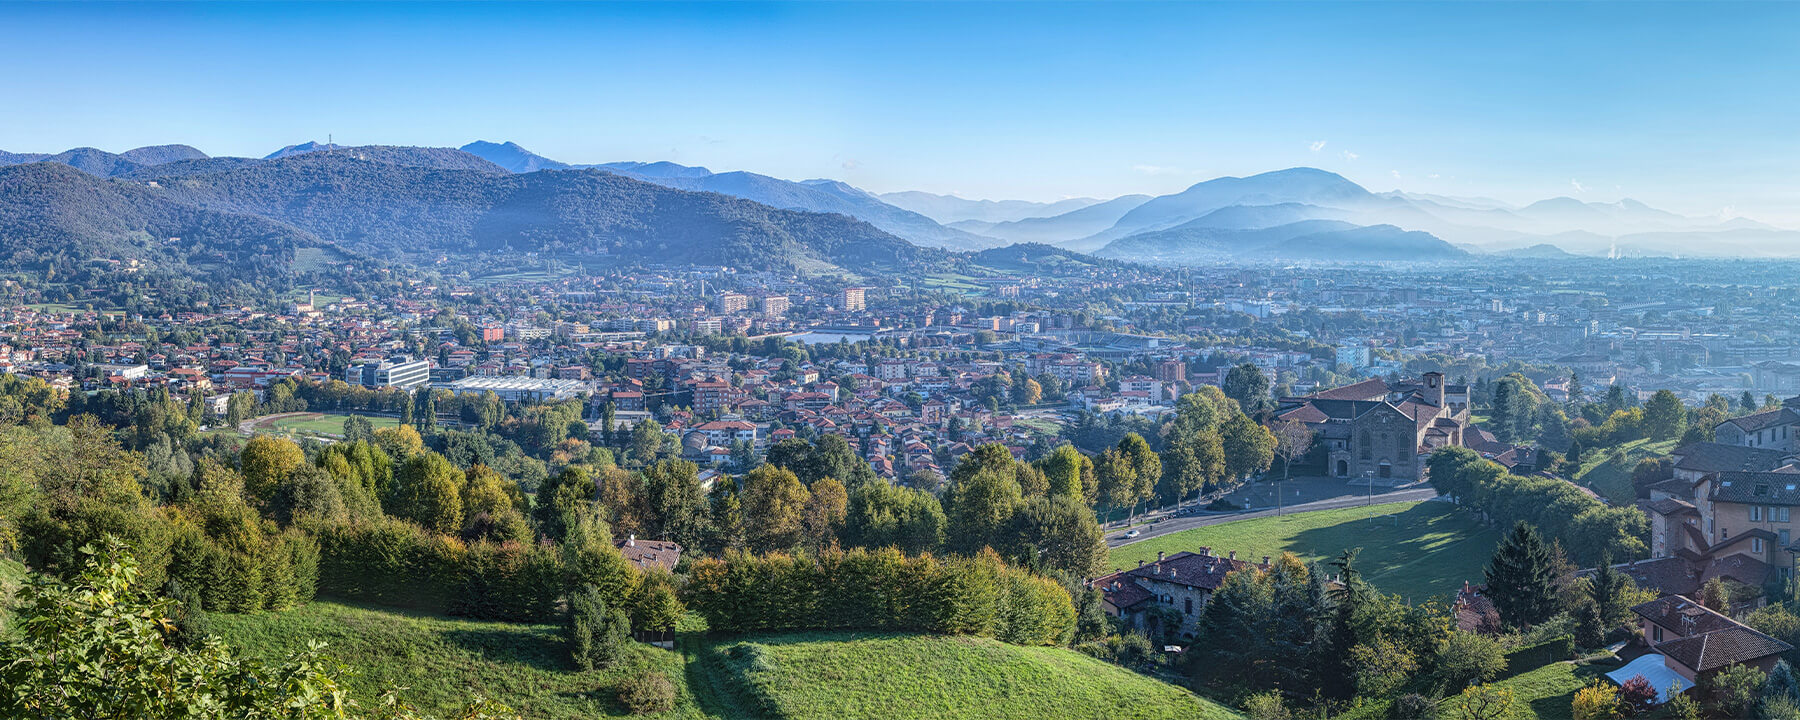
x: 1385, y: 431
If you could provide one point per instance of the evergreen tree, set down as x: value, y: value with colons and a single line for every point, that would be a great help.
x: 1664, y: 415
x: 1520, y: 579
x: 596, y: 634
x: 1607, y: 589
x: 1589, y: 632
x: 1337, y: 672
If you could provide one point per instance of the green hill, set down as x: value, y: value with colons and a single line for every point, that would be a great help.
x: 869, y: 675
x: 55, y: 213
x: 442, y: 661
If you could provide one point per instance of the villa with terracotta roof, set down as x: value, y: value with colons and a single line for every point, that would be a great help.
x: 1695, y: 642
x: 1179, y: 584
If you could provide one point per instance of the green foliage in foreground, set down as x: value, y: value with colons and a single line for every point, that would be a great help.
x: 1417, y: 550
x: 101, y: 647
x: 12, y: 575
x: 442, y: 661
x: 872, y: 675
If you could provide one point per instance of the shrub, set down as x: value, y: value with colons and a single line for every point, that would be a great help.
x: 1737, y: 688
x: 1597, y: 702
x: 1266, y: 706
x: 1465, y: 658
x: 1682, y: 707
x: 1637, y: 695
x: 595, y: 633
x: 647, y: 692
x: 1483, y: 702
x: 1413, y: 706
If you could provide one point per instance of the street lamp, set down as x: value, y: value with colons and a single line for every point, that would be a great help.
x: 1369, y: 478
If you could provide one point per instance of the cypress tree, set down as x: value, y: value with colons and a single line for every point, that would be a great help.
x: 1606, y: 587
x: 1520, y: 579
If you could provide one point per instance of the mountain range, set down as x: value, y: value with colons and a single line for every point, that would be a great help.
x: 824, y: 196
x: 395, y: 201
x: 409, y: 204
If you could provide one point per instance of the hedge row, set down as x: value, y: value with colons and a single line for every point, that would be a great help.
x: 281, y: 574
x: 1532, y: 657
x: 880, y: 590
x: 247, y: 568
x: 1589, y: 529
x: 392, y: 562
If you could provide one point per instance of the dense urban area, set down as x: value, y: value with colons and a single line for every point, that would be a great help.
x: 1052, y: 442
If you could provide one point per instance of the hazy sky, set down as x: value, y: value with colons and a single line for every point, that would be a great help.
x: 1686, y: 106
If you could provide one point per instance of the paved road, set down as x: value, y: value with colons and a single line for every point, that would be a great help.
x: 1164, y: 527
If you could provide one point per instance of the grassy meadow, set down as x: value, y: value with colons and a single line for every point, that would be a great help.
x: 873, y: 675
x: 1416, y: 549
x: 442, y: 661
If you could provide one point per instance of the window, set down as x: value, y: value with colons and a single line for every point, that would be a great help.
x: 1189, y: 603
x: 1755, y: 513
x: 1781, y: 513
x: 1656, y: 632
x: 1784, y: 538
x: 1365, y: 444
x: 1756, y: 545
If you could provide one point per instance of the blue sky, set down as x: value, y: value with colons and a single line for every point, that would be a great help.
x: 1686, y: 106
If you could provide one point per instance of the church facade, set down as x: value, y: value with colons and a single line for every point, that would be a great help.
x: 1385, y: 431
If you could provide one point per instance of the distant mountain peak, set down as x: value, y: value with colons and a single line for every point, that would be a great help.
x: 511, y: 156
x: 301, y: 149
x: 162, y: 154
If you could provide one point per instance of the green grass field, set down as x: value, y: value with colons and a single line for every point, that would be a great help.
x: 1548, y: 693
x: 1613, y: 480
x: 12, y: 574
x: 949, y: 281
x: 442, y: 661
x: 864, y: 675
x: 322, y: 424
x: 1416, y: 549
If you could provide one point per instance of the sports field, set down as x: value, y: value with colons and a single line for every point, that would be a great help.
x: 317, y: 424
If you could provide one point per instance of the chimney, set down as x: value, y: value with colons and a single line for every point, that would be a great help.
x: 1140, y: 563
x: 1171, y: 573
x: 631, y: 540
x: 1159, y: 556
x: 1265, y: 559
x: 1233, y: 555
